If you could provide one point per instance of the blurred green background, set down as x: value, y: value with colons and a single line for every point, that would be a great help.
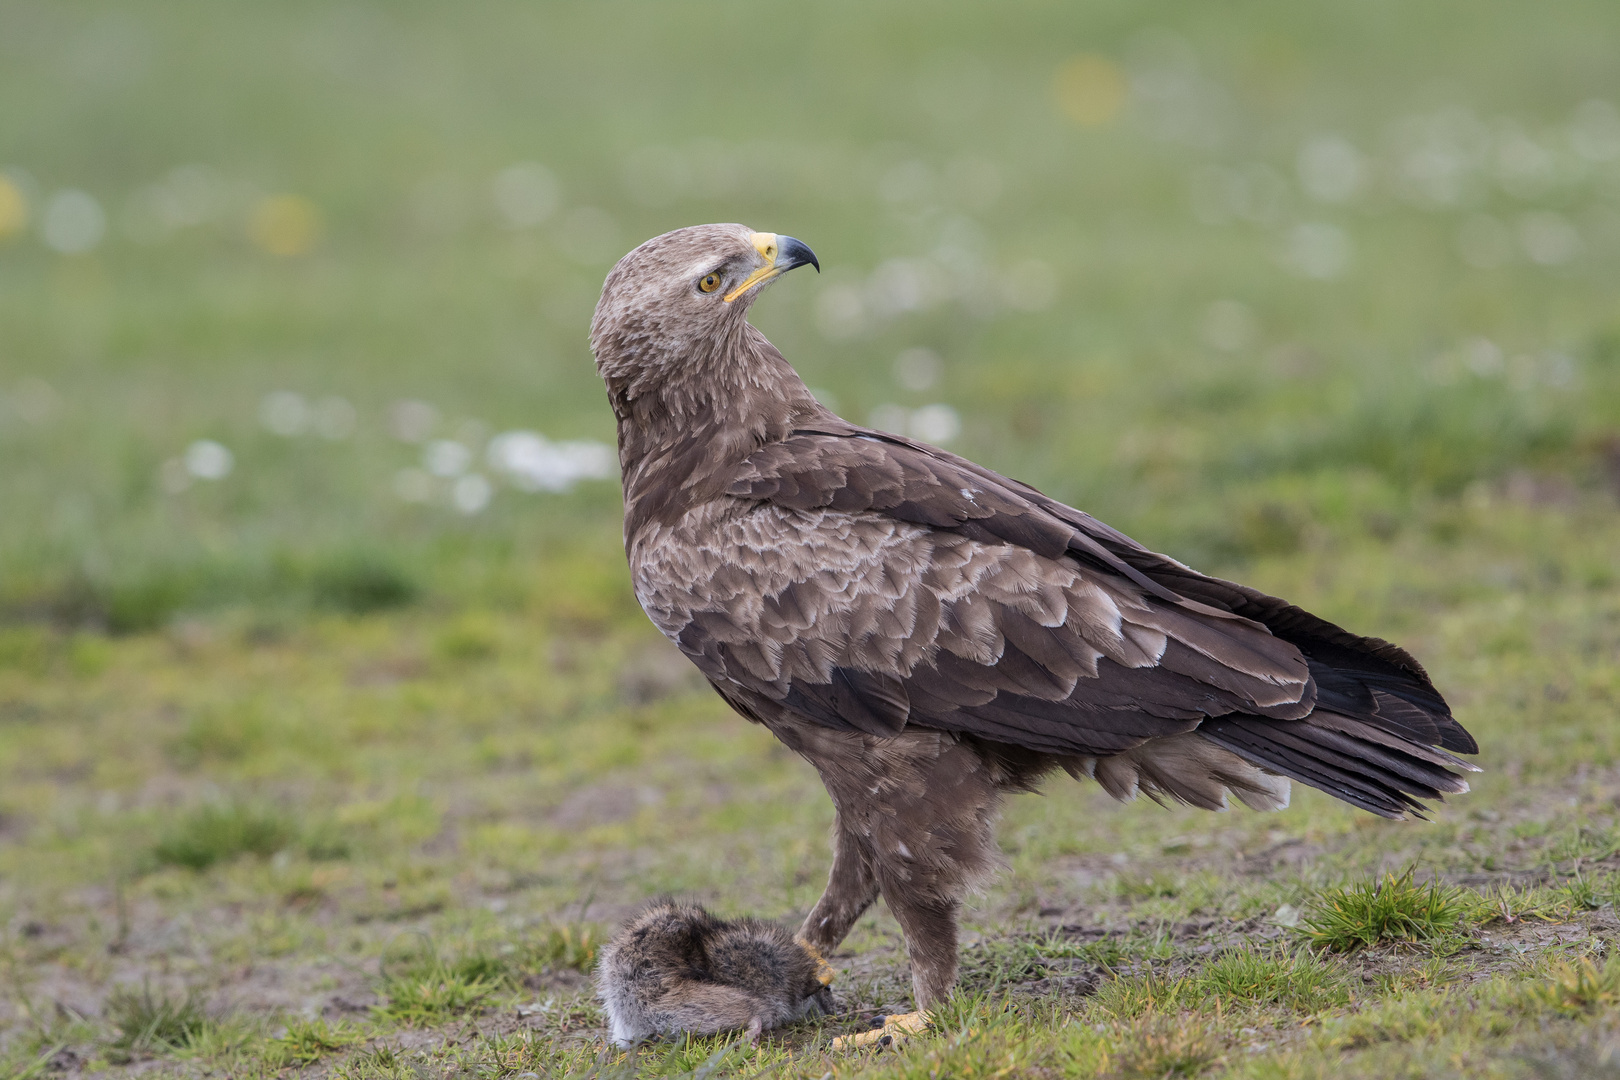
x: 1236, y: 279
x: 315, y: 631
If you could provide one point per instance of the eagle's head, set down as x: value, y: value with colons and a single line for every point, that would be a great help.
x: 678, y: 296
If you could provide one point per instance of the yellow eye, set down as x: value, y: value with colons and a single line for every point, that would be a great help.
x: 710, y: 282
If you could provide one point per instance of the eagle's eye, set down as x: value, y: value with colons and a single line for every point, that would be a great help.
x: 709, y: 282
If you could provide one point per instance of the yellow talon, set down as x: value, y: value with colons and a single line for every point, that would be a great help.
x: 894, y: 1029
x: 824, y: 970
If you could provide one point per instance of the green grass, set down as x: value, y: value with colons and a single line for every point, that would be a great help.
x: 146, y: 1020
x: 374, y: 778
x: 1292, y: 980
x: 1579, y: 986
x: 308, y: 1041
x: 217, y: 833
x: 1394, y: 908
x: 433, y: 992
x: 429, y: 981
x: 1177, y: 1050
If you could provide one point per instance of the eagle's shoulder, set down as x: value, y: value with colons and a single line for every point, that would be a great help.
x: 843, y: 467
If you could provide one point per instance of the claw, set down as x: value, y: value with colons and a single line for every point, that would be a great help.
x: 889, y: 1031
x: 824, y: 970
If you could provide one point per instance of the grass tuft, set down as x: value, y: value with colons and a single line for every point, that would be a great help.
x: 1129, y: 998
x: 1297, y: 980
x: 1508, y: 905
x: 154, y: 1023
x: 428, y: 984
x: 1394, y: 908
x: 1169, y: 1048
x: 566, y: 945
x: 361, y: 582
x: 217, y: 833
x: 307, y: 1041
x: 1578, y: 987
x: 433, y: 992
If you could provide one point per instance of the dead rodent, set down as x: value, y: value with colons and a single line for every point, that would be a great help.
x: 678, y: 969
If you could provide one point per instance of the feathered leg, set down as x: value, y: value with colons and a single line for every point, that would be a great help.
x: 930, y: 929
x: 915, y: 824
x: 851, y: 889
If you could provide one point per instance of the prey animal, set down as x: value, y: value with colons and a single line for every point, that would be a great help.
x: 931, y: 635
x: 675, y: 968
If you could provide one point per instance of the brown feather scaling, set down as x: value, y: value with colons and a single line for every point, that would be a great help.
x: 929, y: 634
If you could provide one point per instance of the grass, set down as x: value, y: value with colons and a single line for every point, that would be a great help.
x: 1292, y: 980
x: 1579, y: 986
x: 307, y: 1041
x: 374, y: 776
x: 148, y: 1021
x: 429, y: 982
x: 434, y: 992
x: 216, y: 833
x: 1177, y: 1050
x: 1393, y: 908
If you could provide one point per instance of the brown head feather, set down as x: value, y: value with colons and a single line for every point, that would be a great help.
x: 695, y: 388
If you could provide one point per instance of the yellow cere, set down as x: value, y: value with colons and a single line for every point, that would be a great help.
x: 764, y: 243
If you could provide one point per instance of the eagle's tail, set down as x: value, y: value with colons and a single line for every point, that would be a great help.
x: 1364, y: 763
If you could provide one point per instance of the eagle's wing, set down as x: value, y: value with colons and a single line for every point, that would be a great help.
x: 863, y: 581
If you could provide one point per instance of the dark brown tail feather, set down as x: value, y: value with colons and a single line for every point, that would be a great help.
x: 1359, y: 676
x: 1350, y: 759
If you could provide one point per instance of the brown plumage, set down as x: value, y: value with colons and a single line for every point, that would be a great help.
x: 930, y: 635
x: 676, y: 969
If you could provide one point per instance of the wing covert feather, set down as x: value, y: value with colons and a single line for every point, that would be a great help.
x: 859, y: 620
x: 946, y: 564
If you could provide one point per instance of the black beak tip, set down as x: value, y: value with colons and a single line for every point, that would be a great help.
x: 797, y: 253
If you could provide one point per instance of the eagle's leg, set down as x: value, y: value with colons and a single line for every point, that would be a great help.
x: 930, y: 928
x: 916, y: 818
x: 851, y: 889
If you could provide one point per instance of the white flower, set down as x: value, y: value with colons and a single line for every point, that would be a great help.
x: 891, y: 418
x: 1548, y: 238
x: 74, y: 222
x: 531, y: 462
x: 208, y: 460
x: 1319, y: 250
x: 1330, y: 169
x: 471, y: 493
x: 935, y: 424
x: 284, y: 413
x: 446, y: 457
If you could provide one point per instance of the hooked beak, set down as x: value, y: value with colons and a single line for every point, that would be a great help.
x: 781, y: 254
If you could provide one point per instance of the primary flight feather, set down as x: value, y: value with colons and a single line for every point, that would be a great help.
x: 929, y: 634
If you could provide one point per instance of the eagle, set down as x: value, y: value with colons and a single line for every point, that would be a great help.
x: 930, y: 635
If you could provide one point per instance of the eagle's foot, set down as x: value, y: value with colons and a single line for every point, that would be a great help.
x: 824, y: 971
x: 886, y: 1031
